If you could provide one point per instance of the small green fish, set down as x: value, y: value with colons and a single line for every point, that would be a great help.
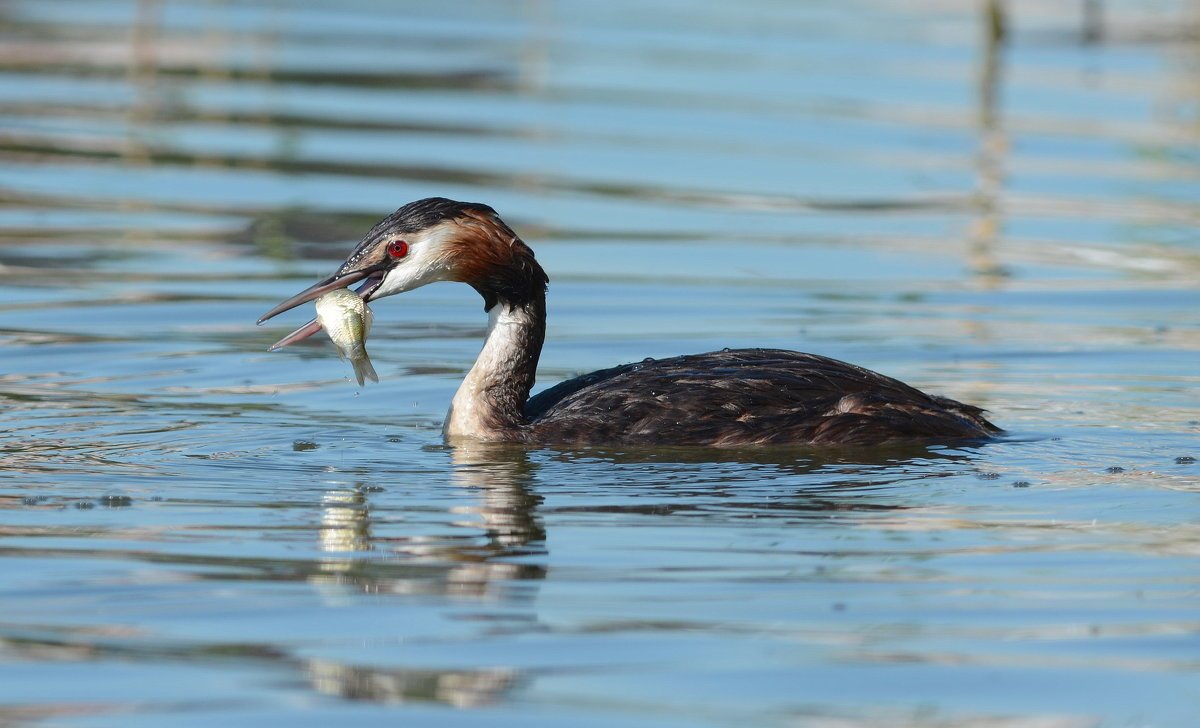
x: 347, y: 319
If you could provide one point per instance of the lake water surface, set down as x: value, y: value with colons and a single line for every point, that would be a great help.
x: 194, y: 531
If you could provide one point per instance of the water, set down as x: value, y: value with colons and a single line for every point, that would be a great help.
x: 195, y: 531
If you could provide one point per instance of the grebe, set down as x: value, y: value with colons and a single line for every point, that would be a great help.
x: 722, y: 398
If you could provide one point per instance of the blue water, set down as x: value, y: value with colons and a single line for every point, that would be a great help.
x: 194, y: 531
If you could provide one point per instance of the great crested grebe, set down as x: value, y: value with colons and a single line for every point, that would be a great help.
x: 722, y: 398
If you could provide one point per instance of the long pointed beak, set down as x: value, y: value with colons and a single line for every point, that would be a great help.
x: 331, y: 283
x: 303, y: 332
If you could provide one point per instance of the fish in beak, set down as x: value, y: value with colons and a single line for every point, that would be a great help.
x: 371, y: 277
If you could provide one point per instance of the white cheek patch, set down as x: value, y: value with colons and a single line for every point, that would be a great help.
x: 428, y: 261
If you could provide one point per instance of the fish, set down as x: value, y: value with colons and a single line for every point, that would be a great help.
x: 347, y: 319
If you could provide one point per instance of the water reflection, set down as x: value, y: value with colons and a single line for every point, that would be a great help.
x: 499, y: 478
x: 456, y: 688
x: 801, y: 486
x: 502, y: 476
x: 500, y: 486
x: 511, y: 546
x: 345, y: 523
x: 993, y: 145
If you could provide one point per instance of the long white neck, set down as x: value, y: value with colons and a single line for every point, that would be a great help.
x: 490, y: 403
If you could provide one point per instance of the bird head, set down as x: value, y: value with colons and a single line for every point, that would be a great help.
x: 430, y: 240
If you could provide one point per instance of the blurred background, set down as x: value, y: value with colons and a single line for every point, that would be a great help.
x: 996, y: 200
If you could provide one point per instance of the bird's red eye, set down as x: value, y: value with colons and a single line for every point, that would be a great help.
x: 397, y: 249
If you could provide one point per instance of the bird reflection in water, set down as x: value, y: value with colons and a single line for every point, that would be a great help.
x: 501, y: 555
x: 505, y: 511
x: 454, y: 566
x: 450, y: 563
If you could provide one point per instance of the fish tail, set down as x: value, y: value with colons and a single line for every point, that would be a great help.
x: 364, y: 370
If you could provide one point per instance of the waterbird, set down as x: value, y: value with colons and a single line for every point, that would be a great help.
x: 726, y: 398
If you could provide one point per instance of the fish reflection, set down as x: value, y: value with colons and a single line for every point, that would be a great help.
x: 345, y: 522
x: 457, y: 688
